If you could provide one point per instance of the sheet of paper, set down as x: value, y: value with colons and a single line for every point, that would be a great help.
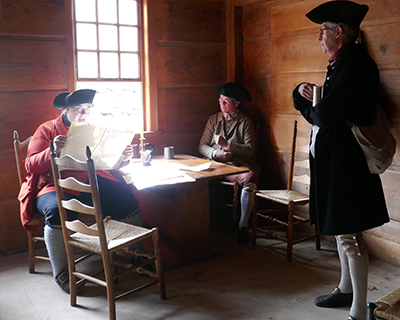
x: 143, y: 177
x: 106, y: 144
x: 198, y: 168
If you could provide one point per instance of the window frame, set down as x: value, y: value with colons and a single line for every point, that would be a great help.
x: 147, y: 44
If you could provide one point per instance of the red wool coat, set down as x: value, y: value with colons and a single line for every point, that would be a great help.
x: 39, y: 179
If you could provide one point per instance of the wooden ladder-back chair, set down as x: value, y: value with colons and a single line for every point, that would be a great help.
x: 234, y: 185
x: 20, y: 149
x: 104, y: 238
x: 285, y: 202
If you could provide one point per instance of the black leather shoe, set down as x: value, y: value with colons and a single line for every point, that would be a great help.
x: 351, y: 318
x: 63, y: 281
x: 243, y: 236
x: 334, y: 300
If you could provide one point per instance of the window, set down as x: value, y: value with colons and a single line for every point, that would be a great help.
x: 108, y: 58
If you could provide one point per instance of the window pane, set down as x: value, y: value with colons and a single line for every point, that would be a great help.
x: 128, y: 39
x: 108, y: 38
x: 87, y: 65
x: 128, y: 12
x: 116, y: 104
x: 107, y: 11
x: 85, y: 10
x: 129, y: 66
x: 86, y: 38
x: 109, y: 65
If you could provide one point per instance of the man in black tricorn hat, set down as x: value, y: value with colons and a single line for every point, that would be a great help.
x: 345, y: 197
x: 230, y: 137
x: 38, y: 190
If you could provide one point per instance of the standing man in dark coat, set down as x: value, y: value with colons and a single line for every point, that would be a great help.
x: 345, y: 198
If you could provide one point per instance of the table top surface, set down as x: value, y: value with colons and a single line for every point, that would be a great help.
x: 216, y: 170
x: 182, y: 168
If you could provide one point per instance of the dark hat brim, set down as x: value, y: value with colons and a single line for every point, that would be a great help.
x: 234, y: 90
x: 66, y: 99
x: 59, y: 101
x: 339, y: 11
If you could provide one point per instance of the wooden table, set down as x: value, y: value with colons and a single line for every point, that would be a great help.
x: 181, y: 211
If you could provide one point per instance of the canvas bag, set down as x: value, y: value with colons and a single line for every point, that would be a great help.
x: 377, y: 142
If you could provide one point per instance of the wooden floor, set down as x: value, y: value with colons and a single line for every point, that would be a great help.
x: 244, y: 283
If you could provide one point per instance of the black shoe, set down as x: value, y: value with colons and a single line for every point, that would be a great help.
x: 334, y: 300
x: 63, y: 281
x: 351, y: 318
x: 243, y: 235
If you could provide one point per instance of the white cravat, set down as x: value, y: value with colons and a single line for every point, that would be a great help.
x: 314, y: 130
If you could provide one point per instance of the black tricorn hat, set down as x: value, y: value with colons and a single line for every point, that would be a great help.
x: 234, y: 90
x: 66, y: 99
x: 339, y: 11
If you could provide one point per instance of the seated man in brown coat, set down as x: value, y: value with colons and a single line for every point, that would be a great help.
x: 229, y: 137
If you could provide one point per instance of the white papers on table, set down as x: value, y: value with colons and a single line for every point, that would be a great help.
x: 157, y: 174
x: 199, y: 167
x: 106, y: 144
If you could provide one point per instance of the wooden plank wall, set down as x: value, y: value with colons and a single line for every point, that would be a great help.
x: 281, y: 49
x: 32, y: 72
x: 190, y: 60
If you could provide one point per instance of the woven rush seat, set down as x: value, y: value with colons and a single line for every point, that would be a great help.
x: 116, y: 232
x: 284, y: 196
x: 388, y: 307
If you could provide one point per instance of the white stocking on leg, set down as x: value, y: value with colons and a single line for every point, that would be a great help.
x: 247, y: 203
x: 354, y: 247
x: 54, y: 240
x: 345, y: 279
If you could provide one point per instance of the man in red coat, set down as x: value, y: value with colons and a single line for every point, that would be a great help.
x: 38, y: 190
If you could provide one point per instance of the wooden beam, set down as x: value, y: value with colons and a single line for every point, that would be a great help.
x: 70, y: 45
x: 230, y: 40
x: 150, y: 116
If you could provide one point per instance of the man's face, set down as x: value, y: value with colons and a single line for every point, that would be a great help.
x: 79, y: 113
x: 329, y: 39
x: 227, y: 105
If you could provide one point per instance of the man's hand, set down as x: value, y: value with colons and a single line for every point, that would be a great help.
x: 306, y: 90
x: 128, y: 153
x: 59, y: 144
x: 221, y: 141
x: 223, y: 154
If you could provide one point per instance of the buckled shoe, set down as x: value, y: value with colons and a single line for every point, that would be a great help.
x: 334, y: 300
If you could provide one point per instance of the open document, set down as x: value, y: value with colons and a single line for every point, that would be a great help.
x: 157, y: 174
x: 106, y: 144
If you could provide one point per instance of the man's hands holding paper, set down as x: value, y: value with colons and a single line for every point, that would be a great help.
x: 127, y: 153
x: 59, y: 144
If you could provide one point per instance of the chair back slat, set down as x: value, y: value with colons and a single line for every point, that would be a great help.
x: 67, y: 162
x: 78, y: 226
x: 73, y: 184
x: 77, y: 206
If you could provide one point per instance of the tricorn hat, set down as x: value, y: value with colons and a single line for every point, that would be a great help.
x: 339, y: 11
x: 234, y: 90
x: 66, y: 99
